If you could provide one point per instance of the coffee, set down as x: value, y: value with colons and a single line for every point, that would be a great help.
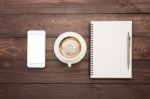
x: 70, y: 47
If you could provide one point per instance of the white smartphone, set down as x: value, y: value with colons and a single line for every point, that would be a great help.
x: 36, y: 48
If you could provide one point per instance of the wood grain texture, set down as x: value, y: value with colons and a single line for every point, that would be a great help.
x: 74, y: 91
x: 56, y: 72
x: 16, y: 48
x: 56, y: 81
x: 54, y: 25
x: 73, y: 6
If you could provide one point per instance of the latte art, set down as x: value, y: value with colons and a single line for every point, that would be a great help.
x: 70, y: 47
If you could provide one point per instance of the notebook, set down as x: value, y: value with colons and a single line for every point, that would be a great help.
x: 111, y: 49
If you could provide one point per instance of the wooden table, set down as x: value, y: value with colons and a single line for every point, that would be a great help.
x: 56, y: 81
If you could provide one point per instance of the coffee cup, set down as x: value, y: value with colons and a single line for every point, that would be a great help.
x: 70, y: 48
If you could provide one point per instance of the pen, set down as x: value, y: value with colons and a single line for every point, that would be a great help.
x: 128, y: 50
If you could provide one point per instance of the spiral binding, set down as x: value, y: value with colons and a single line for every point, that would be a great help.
x: 91, y: 50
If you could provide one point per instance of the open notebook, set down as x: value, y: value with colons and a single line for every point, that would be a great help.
x: 111, y: 49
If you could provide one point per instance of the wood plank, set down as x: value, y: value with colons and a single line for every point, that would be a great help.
x: 57, y: 72
x: 73, y: 6
x: 74, y: 91
x: 54, y: 25
x: 16, y: 48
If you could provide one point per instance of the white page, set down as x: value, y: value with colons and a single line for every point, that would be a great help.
x: 110, y: 49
